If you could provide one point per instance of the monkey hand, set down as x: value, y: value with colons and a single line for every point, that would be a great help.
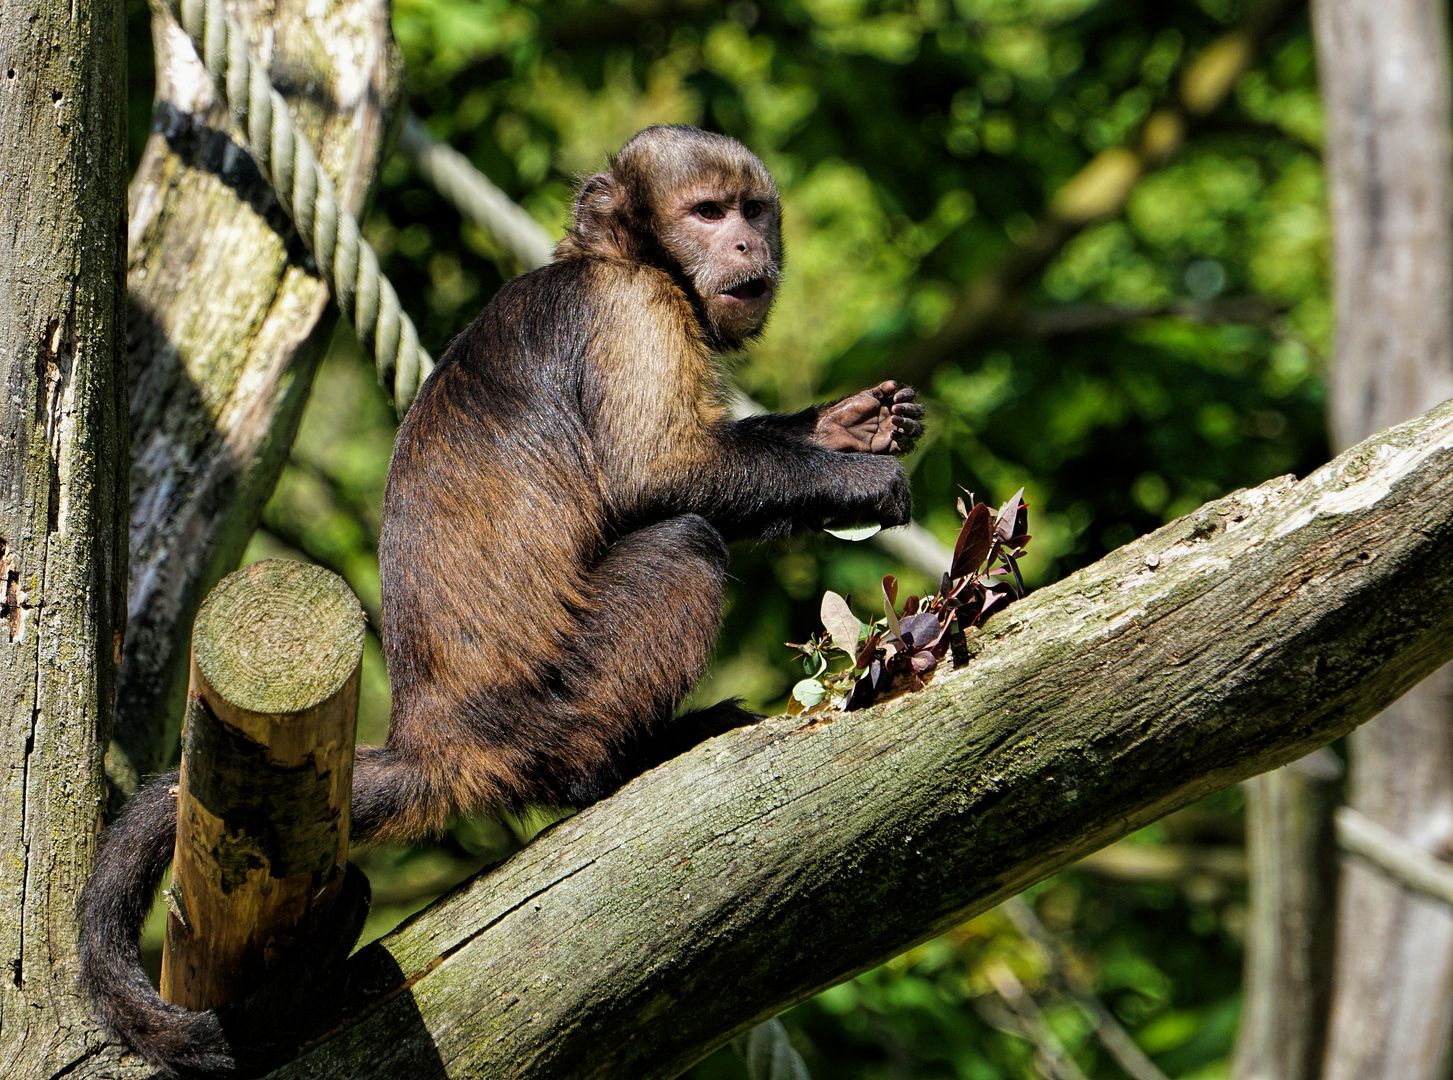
x: 881, y: 420
x: 879, y: 494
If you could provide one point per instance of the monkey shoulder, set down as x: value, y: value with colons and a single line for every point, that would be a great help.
x: 636, y: 298
x: 647, y: 344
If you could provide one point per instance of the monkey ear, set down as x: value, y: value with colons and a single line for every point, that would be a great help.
x: 598, y: 224
x: 597, y: 198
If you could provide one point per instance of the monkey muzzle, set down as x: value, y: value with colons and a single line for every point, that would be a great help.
x: 753, y: 289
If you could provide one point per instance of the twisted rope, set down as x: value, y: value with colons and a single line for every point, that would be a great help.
x: 768, y: 1054
x: 453, y: 175
x: 283, y: 154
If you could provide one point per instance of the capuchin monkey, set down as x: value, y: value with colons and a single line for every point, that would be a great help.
x: 553, y: 552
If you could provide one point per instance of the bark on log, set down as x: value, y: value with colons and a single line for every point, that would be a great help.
x: 62, y: 496
x: 773, y: 861
x: 227, y: 322
x: 1385, y: 81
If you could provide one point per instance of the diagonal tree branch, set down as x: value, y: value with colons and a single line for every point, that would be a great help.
x: 771, y: 862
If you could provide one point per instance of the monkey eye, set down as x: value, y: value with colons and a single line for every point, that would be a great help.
x: 709, y: 210
x: 751, y: 209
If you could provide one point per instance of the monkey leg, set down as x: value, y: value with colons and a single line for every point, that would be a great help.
x: 656, y: 609
x: 598, y: 713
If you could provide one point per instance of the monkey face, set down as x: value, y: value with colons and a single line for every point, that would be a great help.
x: 727, y: 242
x: 696, y: 205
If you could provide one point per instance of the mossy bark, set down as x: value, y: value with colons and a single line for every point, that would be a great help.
x: 227, y: 321
x: 62, y: 498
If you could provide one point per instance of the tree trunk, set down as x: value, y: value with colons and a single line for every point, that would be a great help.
x: 1291, y: 840
x: 1385, y: 81
x: 226, y: 324
x: 778, y: 859
x: 62, y: 498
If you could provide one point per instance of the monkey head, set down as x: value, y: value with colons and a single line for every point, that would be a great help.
x: 700, y: 207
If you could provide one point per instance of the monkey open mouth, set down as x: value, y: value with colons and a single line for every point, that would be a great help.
x: 752, y: 289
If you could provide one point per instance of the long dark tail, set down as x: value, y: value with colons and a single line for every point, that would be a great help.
x: 248, y: 1037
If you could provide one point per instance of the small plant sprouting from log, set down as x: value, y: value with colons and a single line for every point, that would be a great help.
x: 902, y: 651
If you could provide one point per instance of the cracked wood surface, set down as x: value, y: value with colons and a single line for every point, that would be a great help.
x: 776, y: 860
x: 226, y: 323
x: 62, y: 498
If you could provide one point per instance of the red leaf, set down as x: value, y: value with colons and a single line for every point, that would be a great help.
x: 890, y: 597
x: 865, y: 654
x: 974, y: 541
x: 1013, y: 518
x: 924, y: 661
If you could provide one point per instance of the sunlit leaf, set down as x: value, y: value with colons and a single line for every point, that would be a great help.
x: 855, y: 532
x: 890, y: 597
x: 924, y: 662
x: 1009, y: 524
x: 809, y: 692
x: 841, y: 623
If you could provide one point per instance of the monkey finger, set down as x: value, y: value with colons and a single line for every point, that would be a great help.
x: 885, y: 391
x: 905, y: 425
x: 914, y: 410
x: 907, y: 393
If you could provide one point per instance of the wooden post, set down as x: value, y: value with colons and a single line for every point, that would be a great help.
x: 267, y: 772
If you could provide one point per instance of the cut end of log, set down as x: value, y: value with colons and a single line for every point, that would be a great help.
x: 276, y: 617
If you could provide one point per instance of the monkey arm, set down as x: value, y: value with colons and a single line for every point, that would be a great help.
x: 768, y: 476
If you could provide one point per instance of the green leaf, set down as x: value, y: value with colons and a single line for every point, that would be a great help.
x: 809, y: 692
x: 855, y: 532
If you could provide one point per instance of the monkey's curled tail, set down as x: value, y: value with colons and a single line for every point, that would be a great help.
x: 134, y: 854
x: 248, y: 1037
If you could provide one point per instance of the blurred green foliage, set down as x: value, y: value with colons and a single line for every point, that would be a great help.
x: 1167, y: 355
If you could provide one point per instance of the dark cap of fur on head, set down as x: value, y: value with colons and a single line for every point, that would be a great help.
x: 612, y: 209
x: 670, y: 157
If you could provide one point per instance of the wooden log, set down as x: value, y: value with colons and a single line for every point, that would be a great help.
x: 267, y: 772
